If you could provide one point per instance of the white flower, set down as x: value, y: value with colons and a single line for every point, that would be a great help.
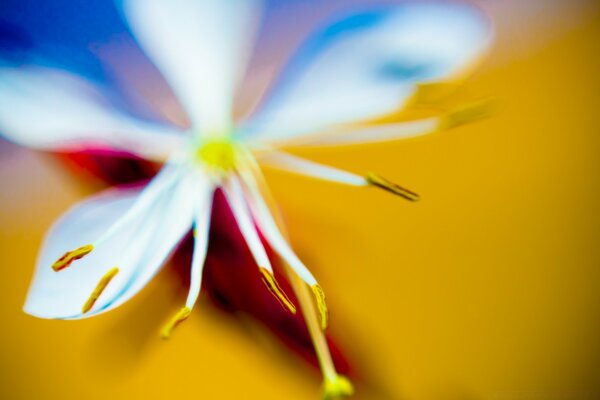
x: 345, y: 76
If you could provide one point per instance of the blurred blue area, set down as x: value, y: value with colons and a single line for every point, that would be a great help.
x: 71, y: 35
x: 58, y: 33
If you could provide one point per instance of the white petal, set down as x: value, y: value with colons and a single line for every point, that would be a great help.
x: 201, y: 47
x: 201, y: 232
x: 268, y: 227
x: 51, y: 109
x: 138, y: 248
x: 306, y: 167
x: 235, y: 198
x: 367, y: 65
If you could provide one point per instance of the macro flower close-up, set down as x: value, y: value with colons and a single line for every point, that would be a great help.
x: 186, y: 121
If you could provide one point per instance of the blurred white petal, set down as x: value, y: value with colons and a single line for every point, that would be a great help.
x: 201, y: 48
x: 367, y: 65
x: 53, y: 110
x: 139, y: 248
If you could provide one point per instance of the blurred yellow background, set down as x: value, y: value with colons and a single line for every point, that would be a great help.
x: 489, y: 288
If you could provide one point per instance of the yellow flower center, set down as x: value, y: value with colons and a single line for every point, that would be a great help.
x: 219, y: 154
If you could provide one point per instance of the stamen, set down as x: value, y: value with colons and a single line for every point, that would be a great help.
x: 467, y: 113
x: 339, y: 386
x: 104, y: 281
x: 298, y: 276
x: 433, y: 93
x: 382, y: 183
x: 301, y: 166
x: 178, y: 318
x: 321, y: 305
x: 272, y: 229
x: 275, y: 289
x: 71, y: 256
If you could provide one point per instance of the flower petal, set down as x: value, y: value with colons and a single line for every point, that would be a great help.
x: 53, y: 110
x: 367, y: 64
x: 201, y: 47
x: 138, y: 248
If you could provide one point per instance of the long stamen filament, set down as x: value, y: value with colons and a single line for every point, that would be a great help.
x: 304, y: 167
x: 102, y: 284
x: 334, y: 384
x: 239, y: 207
x: 201, y: 232
x: 378, y: 132
x: 274, y: 236
x: 253, y: 178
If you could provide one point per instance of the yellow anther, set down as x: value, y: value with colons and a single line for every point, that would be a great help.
x: 467, y: 113
x: 104, y: 281
x: 380, y: 182
x: 433, y: 93
x: 178, y: 318
x: 275, y: 289
x: 71, y: 256
x: 337, y: 388
x: 321, y: 305
x: 219, y: 154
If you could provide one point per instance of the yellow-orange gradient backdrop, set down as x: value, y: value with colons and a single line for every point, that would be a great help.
x: 489, y: 288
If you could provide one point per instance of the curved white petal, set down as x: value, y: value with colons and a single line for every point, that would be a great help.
x: 201, y: 47
x: 51, y: 109
x: 367, y: 64
x: 138, y: 248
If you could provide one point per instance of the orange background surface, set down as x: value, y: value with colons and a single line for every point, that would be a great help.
x: 486, y: 289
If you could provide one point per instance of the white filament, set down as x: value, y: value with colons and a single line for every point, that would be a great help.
x: 305, y: 167
x: 201, y: 231
x: 269, y: 228
x: 235, y: 197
